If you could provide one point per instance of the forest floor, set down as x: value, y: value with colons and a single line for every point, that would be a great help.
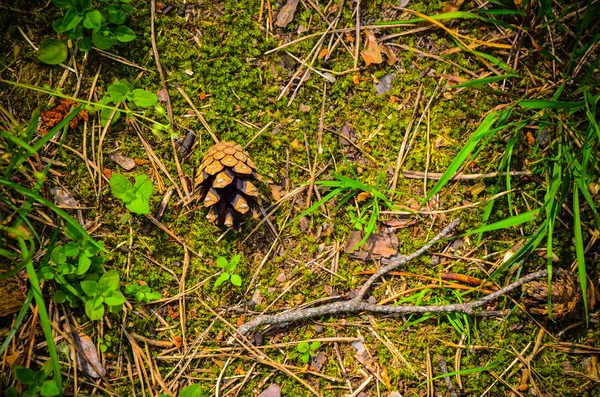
x: 328, y: 89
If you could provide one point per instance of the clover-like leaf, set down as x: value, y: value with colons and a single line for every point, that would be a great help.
x: 83, y: 265
x: 94, y: 313
x: 143, y: 98
x: 49, y: 389
x: 89, y: 287
x: 117, y: 92
x: 110, y: 279
x: 119, y: 185
x: 222, y: 262
x: 53, y: 52
x: 123, y: 33
x: 303, y: 347
x: 236, y: 280
x: 222, y: 278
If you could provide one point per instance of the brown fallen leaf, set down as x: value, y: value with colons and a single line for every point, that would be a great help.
x: 89, y: 363
x: 277, y: 192
x: 63, y: 198
x: 452, y: 6
x: 378, y: 245
x: 286, y: 14
x: 371, y: 53
x: 162, y: 95
x: 399, y: 223
x: 272, y: 391
x: 391, y: 57
x: 125, y: 162
x: 317, y: 363
x: 323, y: 53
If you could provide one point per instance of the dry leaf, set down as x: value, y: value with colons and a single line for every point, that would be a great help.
x: 202, y: 96
x: 63, y: 198
x: 371, y: 53
x: 452, y: 6
x: 286, y: 14
x: 162, y: 95
x: 323, y: 53
x: 125, y: 162
x: 378, y: 245
x: 277, y: 192
x: 356, y: 78
x: 391, y: 57
x: 317, y: 363
x: 272, y: 391
x: 107, y: 173
x: 399, y: 223
x: 281, y: 277
x: 90, y: 363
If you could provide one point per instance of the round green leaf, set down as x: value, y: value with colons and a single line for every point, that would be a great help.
x: 222, y: 262
x: 53, y: 52
x: 117, y: 92
x: 49, y: 389
x: 93, y: 20
x: 62, y: 3
x: 222, y: 278
x: 60, y: 296
x: 89, y: 287
x: 57, y: 25
x: 110, y: 279
x: 103, y: 39
x: 143, y: 98
x: 114, y: 298
x: 124, y: 34
x: 92, y: 312
x: 236, y: 280
x: 83, y: 265
x: 24, y: 375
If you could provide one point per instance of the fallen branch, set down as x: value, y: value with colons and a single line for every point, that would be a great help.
x: 358, y: 304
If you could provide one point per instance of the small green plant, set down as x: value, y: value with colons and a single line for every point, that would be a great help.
x: 76, y: 267
x: 123, y: 91
x: 307, y: 350
x: 104, y: 292
x: 141, y: 292
x: 104, y: 18
x: 228, y: 271
x: 36, y: 382
x: 135, y: 196
x: 359, y: 220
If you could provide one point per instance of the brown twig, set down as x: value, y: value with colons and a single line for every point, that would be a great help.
x: 358, y: 304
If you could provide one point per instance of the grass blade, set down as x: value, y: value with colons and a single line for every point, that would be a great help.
x: 579, y: 250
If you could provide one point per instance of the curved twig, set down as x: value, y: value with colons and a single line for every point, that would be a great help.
x: 358, y: 304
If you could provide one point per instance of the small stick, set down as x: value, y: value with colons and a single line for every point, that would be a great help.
x: 444, y: 368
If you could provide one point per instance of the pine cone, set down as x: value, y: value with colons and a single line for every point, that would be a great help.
x: 225, y: 181
x: 566, y: 296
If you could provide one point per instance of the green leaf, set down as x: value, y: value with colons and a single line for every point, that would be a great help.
x: 89, y: 287
x: 71, y: 249
x: 93, y: 20
x: 123, y: 33
x: 12, y: 392
x: 545, y: 104
x: 462, y: 156
x: 143, y: 98
x: 485, y: 80
x: 52, y: 52
x: 103, y: 39
x: 303, y: 347
x: 222, y: 262
x: 119, y: 185
x: 62, y: 3
x: 49, y: 389
x: 235, y: 261
x: 114, y: 298
x: 58, y: 255
x: 131, y: 289
x: 24, y: 375
x: 222, y: 278
x: 236, y: 280
x: 71, y: 20
x: 195, y: 390
x: 94, y: 313
x: 83, y: 265
x: 143, y: 186
x: 117, y: 92
x: 154, y: 295
x: 57, y: 25
x: 305, y: 357
x: 315, y: 345
x: 138, y: 206
x: 60, y: 296
x: 46, y: 272
x: 110, y: 279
